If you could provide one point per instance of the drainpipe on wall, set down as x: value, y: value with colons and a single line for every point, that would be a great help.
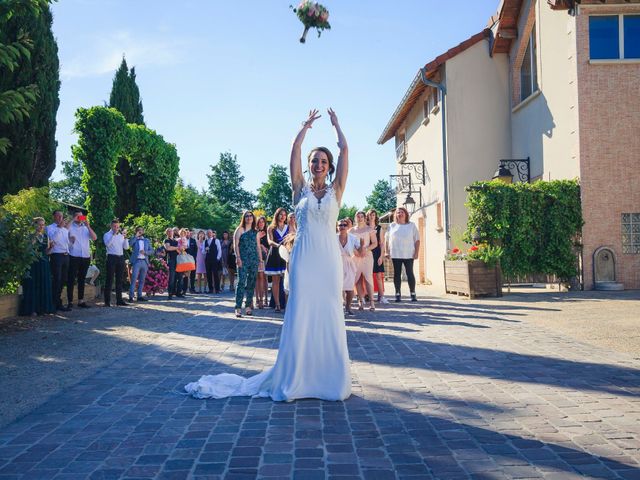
x: 445, y: 170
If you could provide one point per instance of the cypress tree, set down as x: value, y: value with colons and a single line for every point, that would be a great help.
x: 31, y: 158
x: 125, y: 97
x: 125, y: 94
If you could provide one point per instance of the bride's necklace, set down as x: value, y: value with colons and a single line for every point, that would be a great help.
x: 315, y: 190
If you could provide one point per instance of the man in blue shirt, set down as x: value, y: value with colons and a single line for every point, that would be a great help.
x: 140, y: 251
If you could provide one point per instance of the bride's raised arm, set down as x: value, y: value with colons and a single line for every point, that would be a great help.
x: 342, y: 168
x: 295, y: 163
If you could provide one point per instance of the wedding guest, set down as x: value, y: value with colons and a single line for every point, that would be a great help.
x: 59, y: 257
x: 291, y: 221
x: 192, y: 249
x: 349, y: 223
x: 231, y: 266
x: 201, y: 268
x: 378, y: 254
x: 182, y: 278
x: 275, y: 266
x: 116, y: 242
x: 350, y: 245
x: 171, y: 252
x: 140, y: 251
x: 364, y: 261
x: 224, y: 267
x: 36, y: 287
x: 262, y: 287
x: 404, y: 246
x: 213, y: 254
x: 80, y: 236
x: 249, y: 254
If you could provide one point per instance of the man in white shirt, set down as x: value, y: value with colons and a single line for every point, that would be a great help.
x: 80, y: 236
x: 116, y: 243
x: 58, y: 257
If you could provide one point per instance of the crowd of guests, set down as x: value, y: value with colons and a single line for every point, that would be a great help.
x: 199, y: 262
x: 63, y: 259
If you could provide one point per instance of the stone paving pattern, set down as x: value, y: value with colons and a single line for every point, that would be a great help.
x: 441, y: 389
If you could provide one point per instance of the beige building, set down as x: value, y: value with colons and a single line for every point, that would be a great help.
x: 555, y: 83
x: 474, y: 85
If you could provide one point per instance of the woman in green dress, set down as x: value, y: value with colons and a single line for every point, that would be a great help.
x: 37, y: 296
x: 246, y: 242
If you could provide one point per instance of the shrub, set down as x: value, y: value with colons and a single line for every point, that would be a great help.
x: 16, y: 250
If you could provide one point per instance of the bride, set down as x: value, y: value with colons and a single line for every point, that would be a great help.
x: 313, y: 360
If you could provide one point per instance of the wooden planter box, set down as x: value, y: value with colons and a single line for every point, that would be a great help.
x: 9, y: 305
x: 472, y: 278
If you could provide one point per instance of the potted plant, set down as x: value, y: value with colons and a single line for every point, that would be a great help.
x: 312, y: 15
x: 474, y: 272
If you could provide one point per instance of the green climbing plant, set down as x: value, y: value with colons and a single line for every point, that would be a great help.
x: 537, y: 225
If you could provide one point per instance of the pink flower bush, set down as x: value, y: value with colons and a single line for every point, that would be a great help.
x: 157, y: 280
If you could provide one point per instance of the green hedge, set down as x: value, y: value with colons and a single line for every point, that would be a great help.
x: 101, y: 136
x: 537, y: 224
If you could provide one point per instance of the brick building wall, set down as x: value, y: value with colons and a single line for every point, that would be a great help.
x: 609, y: 124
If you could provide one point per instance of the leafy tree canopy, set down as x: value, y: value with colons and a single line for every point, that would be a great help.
x: 69, y: 189
x: 276, y: 191
x: 225, y: 185
x: 347, y: 212
x: 382, y: 198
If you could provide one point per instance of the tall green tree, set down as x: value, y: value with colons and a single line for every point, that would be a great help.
x: 69, y: 189
x: 29, y: 94
x: 276, y: 191
x: 382, y: 198
x: 125, y: 94
x: 225, y: 185
x: 125, y: 97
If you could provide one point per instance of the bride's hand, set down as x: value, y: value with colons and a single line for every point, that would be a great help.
x: 313, y: 116
x: 333, y: 117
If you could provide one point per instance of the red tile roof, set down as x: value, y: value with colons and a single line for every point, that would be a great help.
x: 417, y: 87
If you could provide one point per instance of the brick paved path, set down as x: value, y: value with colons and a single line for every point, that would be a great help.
x: 442, y: 389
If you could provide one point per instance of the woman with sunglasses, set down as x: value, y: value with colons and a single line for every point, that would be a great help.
x: 246, y: 243
x: 350, y: 245
x: 313, y: 359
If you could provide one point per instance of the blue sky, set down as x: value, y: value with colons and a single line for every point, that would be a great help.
x: 219, y: 76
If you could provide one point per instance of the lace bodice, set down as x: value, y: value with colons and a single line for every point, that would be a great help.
x: 322, y: 212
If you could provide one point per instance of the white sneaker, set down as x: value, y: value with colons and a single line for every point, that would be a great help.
x: 384, y: 300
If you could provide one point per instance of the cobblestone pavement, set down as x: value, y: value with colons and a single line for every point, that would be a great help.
x: 441, y: 389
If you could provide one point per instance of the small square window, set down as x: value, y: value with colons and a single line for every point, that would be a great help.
x: 632, y: 36
x: 603, y: 37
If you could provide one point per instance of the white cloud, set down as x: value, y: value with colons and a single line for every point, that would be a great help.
x: 103, y: 54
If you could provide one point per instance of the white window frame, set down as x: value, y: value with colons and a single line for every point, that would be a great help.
x: 621, y: 58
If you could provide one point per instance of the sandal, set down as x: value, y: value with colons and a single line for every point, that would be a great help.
x: 248, y: 311
x: 372, y: 308
x: 238, y: 312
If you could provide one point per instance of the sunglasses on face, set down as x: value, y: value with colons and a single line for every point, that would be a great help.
x: 248, y: 216
x: 342, y: 225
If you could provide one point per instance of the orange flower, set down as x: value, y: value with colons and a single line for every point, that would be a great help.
x: 455, y: 250
x: 473, y: 248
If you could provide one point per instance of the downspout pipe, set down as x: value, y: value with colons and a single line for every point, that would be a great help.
x: 445, y: 169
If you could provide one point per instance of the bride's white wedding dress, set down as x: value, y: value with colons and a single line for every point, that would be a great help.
x: 313, y: 360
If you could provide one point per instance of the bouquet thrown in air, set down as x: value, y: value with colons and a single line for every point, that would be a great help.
x: 312, y: 15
